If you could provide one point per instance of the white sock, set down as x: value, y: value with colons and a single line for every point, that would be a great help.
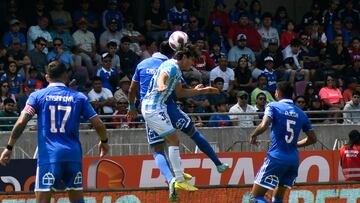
x: 175, y: 160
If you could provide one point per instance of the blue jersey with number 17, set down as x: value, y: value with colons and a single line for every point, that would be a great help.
x: 287, y: 122
x: 59, y: 110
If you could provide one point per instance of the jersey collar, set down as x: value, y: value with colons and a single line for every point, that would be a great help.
x: 287, y: 101
x: 159, y: 55
x: 54, y: 84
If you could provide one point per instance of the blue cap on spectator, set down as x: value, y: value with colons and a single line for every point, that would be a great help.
x: 59, y: 21
x: 31, y: 83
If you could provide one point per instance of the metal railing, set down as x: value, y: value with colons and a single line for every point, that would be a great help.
x: 204, y: 115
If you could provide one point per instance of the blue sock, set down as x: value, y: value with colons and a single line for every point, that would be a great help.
x: 163, y: 164
x: 205, y: 147
x: 258, y: 199
x: 79, y: 201
x: 277, y: 200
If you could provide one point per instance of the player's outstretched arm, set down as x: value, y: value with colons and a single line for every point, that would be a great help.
x: 133, y: 91
x: 101, y: 131
x: 309, y: 140
x: 15, y: 134
x: 181, y: 92
x: 262, y: 127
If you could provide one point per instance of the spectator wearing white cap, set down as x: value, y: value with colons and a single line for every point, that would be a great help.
x: 270, y: 74
x: 108, y: 74
x: 224, y: 72
x: 240, y: 50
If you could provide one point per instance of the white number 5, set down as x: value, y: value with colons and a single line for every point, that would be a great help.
x: 53, y: 109
x: 289, y: 129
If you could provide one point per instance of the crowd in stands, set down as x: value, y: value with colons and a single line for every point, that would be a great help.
x: 244, y: 53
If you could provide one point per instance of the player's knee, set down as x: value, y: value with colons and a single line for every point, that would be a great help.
x: 158, y: 148
x: 172, y: 139
x: 258, y: 199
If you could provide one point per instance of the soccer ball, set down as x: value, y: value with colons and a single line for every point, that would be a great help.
x: 178, y: 39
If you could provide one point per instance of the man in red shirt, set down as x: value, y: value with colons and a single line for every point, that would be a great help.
x: 243, y: 26
x: 350, y: 157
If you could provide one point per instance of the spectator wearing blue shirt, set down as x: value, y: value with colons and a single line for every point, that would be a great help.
x: 195, y: 32
x: 240, y: 8
x: 270, y: 74
x: 220, y: 120
x: 59, y: 54
x: 112, y: 13
x: 14, y: 32
x: 14, y: 79
x: 178, y: 12
x: 86, y: 12
x: 60, y: 32
x: 108, y: 74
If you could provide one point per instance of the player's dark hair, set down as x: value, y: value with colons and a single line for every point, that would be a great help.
x: 55, y: 70
x: 165, y: 49
x: 285, y: 89
x: 354, y: 138
x: 188, y: 50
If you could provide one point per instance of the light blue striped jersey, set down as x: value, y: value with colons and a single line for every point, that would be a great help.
x: 154, y: 99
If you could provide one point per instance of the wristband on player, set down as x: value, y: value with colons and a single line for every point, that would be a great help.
x: 9, y: 147
x: 104, y: 141
x: 132, y: 107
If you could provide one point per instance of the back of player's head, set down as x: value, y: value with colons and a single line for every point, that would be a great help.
x: 55, y: 70
x: 188, y: 50
x: 166, y: 49
x: 354, y: 138
x: 285, y: 89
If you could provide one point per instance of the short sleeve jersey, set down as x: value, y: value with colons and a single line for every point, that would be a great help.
x: 59, y: 111
x: 287, y: 122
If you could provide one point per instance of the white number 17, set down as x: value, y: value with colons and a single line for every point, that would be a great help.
x: 53, y: 109
x: 289, y: 129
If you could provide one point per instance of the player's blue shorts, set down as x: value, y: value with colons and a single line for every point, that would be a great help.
x: 178, y: 119
x: 275, y: 172
x: 59, y: 176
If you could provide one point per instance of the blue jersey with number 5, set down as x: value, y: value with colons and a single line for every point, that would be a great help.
x: 59, y: 110
x: 287, y: 122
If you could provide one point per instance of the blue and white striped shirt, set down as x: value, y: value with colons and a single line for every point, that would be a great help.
x: 155, y: 100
